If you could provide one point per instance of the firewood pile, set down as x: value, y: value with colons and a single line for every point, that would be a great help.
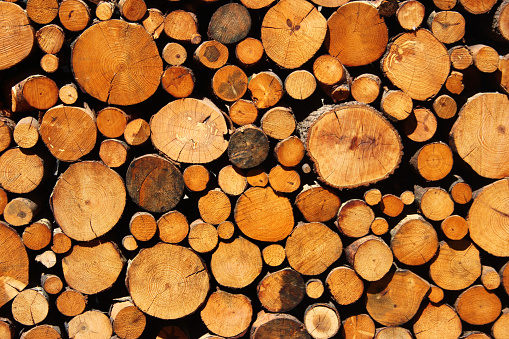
x: 254, y: 169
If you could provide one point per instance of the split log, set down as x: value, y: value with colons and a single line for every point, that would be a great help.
x: 445, y: 107
x: 51, y: 283
x: 92, y: 267
x: 447, y: 26
x: 154, y: 183
x: 15, y: 267
x: 127, y: 320
x: 249, y: 51
x: 202, y: 237
x: 410, y: 54
x: 274, y: 255
x: 228, y: 315
x: 300, y: 84
x: 354, y: 218
x: 38, y: 235
x: 80, y: 197
x: 322, y: 320
x: 236, y: 264
x: 396, y: 298
x: 357, y: 24
x: 266, y: 89
x: 292, y: 32
x: 153, y: 21
x: 34, y: 92
x: 143, y: 226
x: 42, y: 11
x: 457, y: 265
x: 344, y: 285
x: 68, y: 132
x: 437, y: 321
x: 396, y: 104
x: 189, y: 130
x: 434, y: 202
x: 477, y: 306
x: 487, y: 218
x: 318, y: 204
x: 196, y: 178
x: 433, y: 161
x: 74, y: 15
x: 312, y: 248
x: 167, y: 281
x: 414, y: 241
x: 278, y: 123
x: 178, y: 81
x: 50, y: 38
x: 68, y: 94
x: 173, y: 227
x: 229, y: 83
x: 349, y: 132
x: 21, y: 171
x: 370, y: 257
x: 132, y: 10
x: 107, y: 72
x: 284, y: 180
x: 211, y: 54
x: 281, y: 291
x: 289, y: 152
x: 16, y: 46
x: 71, y: 302
x: 182, y: 26
x: 20, y: 211
x: 358, y: 327
x: 248, y: 147
x: 410, y: 14
x: 232, y: 180
x: 314, y: 288
x: 229, y: 24
x: 113, y: 152
x: 278, y: 326
x: 174, y: 54
x: 243, y: 112
x: 90, y: 323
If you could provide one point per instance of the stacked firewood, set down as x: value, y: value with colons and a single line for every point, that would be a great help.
x: 254, y: 168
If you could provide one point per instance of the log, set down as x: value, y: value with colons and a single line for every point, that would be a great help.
x: 42, y: 11
x: 196, y: 178
x: 182, y: 26
x: 174, y: 54
x: 243, y: 112
x: 173, y: 227
x: 236, y: 264
x: 50, y: 38
x: 71, y: 302
x: 457, y: 265
x: 461, y: 57
x: 68, y: 94
x: 499, y: 328
x: 477, y: 306
x: 6, y: 130
x: 460, y: 191
x: 90, y: 323
x: 178, y: 81
x: 356, y: 24
x: 16, y: 46
x: 229, y: 83
x: 391, y: 205
x: 490, y: 278
x: 21, y: 170
x: 155, y: 269
x: 379, y: 226
x: 312, y: 248
x: 292, y: 32
x: 226, y: 229
x: 445, y: 4
x: 49, y: 63
x: 20, y: 211
x: 137, y: 132
x: 300, y: 84
x: 477, y: 7
x: 274, y: 255
x: 211, y: 54
x: 395, y: 299
x: 248, y: 147
x: 61, y: 242
x: 433, y: 161
x: 410, y: 14
x: 132, y: 10
x: 92, y: 267
x: 113, y: 152
x: 373, y: 196
x: 214, y: 207
x: 266, y: 88
x: 74, y: 15
x: 52, y: 284
x: 34, y: 92
x: 322, y: 320
x: 284, y: 180
x: 77, y: 206
x: 202, y: 237
x: 314, y: 288
x: 112, y: 122
x: 257, y: 177
x: 328, y: 70
x: 229, y: 24
x: 103, y: 74
x: 366, y: 88
x: 278, y: 326
x: 143, y: 226
x: 154, y: 183
x: 127, y: 320
x: 358, y: 327
x: 436, y: 294
x: 318, y: 204
x: 281, y: 291
x: 437, y: 321
x: 348, y: 140
x: 249, y: 51
x: 454, y: 82
x: 38, y: 235
x: 289, y: 152
x: 485, y: 58
x: 129, y: 243
x: 48, y: 259
x: 500, y: 18
x: 445, y: 107
x: 104, y: 10
x: 434, y: 202
x: 153, y: 21
x: 370, y: 257
x: 256, y: 4
x: 42, y: 331
x: 392, y: 332
x: 68, y: 132
x: 415, y: 58
x: 447, y: 26
x: 344, y: 285
x: 396, y: 104
x: 421, y: 125
x: 189, y: 130
x: 232, y: 180
x: 226, y: 314
x: 278, y: 123
x: 455, y: 227
x: 354, y: 218
x: 414, y: 241
x: 30, y: 307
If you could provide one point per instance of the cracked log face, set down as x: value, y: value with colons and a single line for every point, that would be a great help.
x: 189, y: 130
x: 13, y: 264
x: 16, y: 35
x: 480, y: 135
x: 488, y: 218
x: 167, y: 281
x: 88, y: 200
x: 292, y: 32
x: 117, y: 62
x: 417, y: 63
x: 353, y: 145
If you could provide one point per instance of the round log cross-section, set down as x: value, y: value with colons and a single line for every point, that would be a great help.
x: 117, y: 62
x: 353, y: 145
